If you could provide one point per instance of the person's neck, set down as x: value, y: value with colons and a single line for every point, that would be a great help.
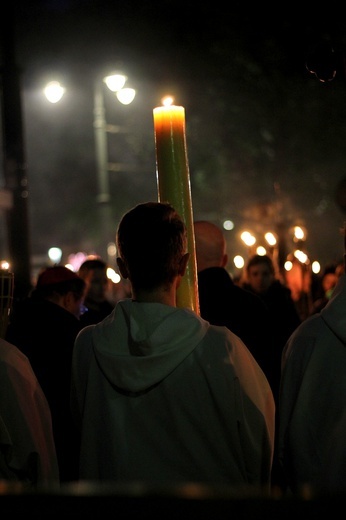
x: 165, y: 295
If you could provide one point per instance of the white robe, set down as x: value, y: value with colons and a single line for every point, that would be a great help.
x: 27, y: 450
x: 313, y: 393
x: 162, y: 396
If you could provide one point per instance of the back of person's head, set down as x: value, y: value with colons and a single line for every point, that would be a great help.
x: 90, y: 264
x: 60, y: 285
x: 151, y: 241
x: 60, y: 280
x: 210, y: 245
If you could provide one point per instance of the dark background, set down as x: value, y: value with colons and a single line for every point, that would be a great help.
x: 266, y: 137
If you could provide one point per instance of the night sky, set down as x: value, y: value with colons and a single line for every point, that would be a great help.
x: 243, y: 78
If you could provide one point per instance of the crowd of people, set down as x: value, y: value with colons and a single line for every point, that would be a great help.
x: 244, y: 393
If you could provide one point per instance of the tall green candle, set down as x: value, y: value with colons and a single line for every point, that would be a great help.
x: 173, y: 181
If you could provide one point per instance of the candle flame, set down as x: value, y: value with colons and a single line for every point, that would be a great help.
x: 167, y: 101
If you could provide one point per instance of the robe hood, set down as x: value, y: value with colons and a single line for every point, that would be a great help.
x: 135, y: 348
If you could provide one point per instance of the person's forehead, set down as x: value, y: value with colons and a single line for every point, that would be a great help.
x: 98, y: 274
x: 259, y: 268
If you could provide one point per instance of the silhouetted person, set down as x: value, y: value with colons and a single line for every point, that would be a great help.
x: 27, y: 449
x: 160, y: 395
x: 260, y: 279
x: 222, y: 302
x: 313, y: 400
x: 94, y: 273
x: 328, y: 282
x: 44, y: 327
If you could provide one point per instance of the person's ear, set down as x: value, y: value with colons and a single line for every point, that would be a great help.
x: 122, y: 268
x: 183, y: 263
x: 67, y: 301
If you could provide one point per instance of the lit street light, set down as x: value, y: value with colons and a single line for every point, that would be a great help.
x: 54, y: 255
x: 54, y: 91
x: 116, y: 83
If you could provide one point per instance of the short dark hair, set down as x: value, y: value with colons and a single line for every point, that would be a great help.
x: 259, y: 260
x: 58, y: 279
x: 90, y: 264
x: 151, y: 241
x: 76, y: 286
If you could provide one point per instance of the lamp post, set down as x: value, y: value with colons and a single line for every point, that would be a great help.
x: 15, y: 194
x: 116, y: 83
x: 101, y: 150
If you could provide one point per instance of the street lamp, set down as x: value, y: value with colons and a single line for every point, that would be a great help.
x: 116, y: 83
x: 54, y: 91
x: 54, y: 255
x: 125, y: 95
x: 15, y: 195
